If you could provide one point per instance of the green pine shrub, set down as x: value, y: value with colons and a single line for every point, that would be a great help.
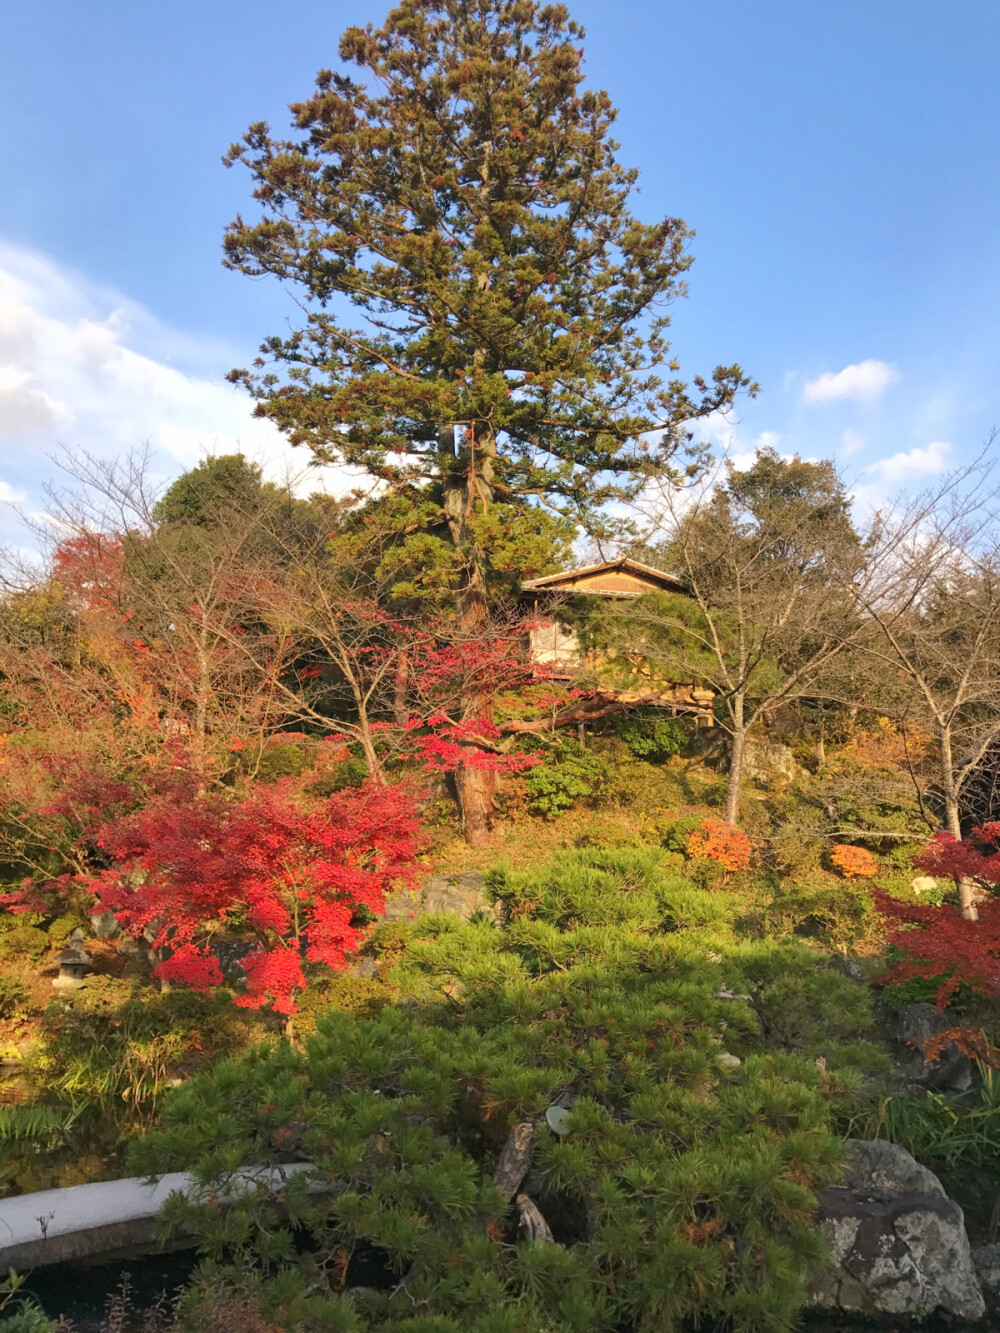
x: 569, y: 775
x: 61, y: 929
x: 705, y: 872
x: 815, y: 904
x: 281, y: 759
x: 12, y: 996
x: 675, y: 830
x: 653, y: 735
x: 681, y: 1191
x: 23, y: 944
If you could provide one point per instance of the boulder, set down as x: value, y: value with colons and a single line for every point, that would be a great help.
x: 951, y: 1071
x: 986, y: 1259
x: 850, y: 968
x: 104, y: 925
x: 366, y: 968
x: 770, y: 764
x: 463, y: 895
x: 898, y: 1243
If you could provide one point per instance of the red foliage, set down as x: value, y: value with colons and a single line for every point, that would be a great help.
x: 89, y: 567
x: 854, y: 862
x: 291, y: 870
x: 721, y: 842
x: 975, y: 857
x: 937, y: 941
x: 446, y: 675
x: 447, y: 745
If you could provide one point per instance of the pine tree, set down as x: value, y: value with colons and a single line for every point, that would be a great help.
x: 464, y: 206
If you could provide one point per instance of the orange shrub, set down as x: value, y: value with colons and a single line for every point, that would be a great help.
x: 854, y: 862
x: 721, y: 842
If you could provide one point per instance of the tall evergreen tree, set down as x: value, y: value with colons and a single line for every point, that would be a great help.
x: 484, y: 321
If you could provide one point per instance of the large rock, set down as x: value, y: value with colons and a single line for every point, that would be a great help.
x: 464, y: 895
x: 898, y: 1242
x: 770, y: 764
x: 951, y: 1071
x: 987, y: 1262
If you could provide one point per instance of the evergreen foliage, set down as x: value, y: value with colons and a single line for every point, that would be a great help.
x: 653, y: 735
x: 472, y: 216
x: 572, y: 774
x: 680, y: 1189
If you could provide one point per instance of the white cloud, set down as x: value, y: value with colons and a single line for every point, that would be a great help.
x: 767, y: 439
x: 84, y: 368
x: 861, y: 382
x: 8, y: 495
x: 851, y: 443
x: 912, y: 464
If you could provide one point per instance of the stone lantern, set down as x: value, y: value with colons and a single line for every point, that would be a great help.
x: 74, y: 963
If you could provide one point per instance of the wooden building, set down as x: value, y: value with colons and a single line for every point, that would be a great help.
x: 555, y: 645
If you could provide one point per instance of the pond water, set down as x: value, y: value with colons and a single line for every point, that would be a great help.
x: 83, y: 1292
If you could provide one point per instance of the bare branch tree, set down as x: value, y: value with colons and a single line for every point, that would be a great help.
x: 933, y: 600
x: 770, y: 561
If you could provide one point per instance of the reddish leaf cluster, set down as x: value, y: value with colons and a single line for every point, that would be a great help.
x: 853, y: 862
x: 975, y: 857
x: 938, y: 942
x: 291, y: 871
x: 447, y: 744
x: 721, y: 842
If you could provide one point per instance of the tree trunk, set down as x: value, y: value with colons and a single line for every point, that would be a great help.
x: 401, y: 686
x: 367, y: 741
x: 199, y: 747
x: 736, y: 754
x: 467, y: 493
x: 953, y: 821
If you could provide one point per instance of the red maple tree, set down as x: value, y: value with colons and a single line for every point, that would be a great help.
x: 298, y: 876
x: 937, y: 941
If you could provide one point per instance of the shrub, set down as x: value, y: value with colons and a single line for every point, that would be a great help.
x: 676, y: 831
x: 680, y: 1193
x: 571, y: 774
x: 28, y: 1318
x: 23, y: 943
x: 61, y: 929
x: 281, y: 759
x: 706, y: 872
x: 821, y: 906
x: 719, y: 841
x: 653, y: 735
x: 936, y: 942
x: 12, y: 996
x: 349, y: 772
x: 300, y: 878
x: 853, y: 862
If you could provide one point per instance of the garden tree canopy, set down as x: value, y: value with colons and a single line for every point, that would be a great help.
x: 774, y: 571
x: 156, y: 619
x: 483, y: 316
x: 204, y: 493
x: 933, y: 662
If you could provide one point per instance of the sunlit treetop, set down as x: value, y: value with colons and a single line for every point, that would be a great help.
x: 481, y: 311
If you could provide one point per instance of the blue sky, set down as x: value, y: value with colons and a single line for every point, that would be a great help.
x: 840, y: 163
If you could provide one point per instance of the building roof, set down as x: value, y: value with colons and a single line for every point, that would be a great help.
x: 611, y: 578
